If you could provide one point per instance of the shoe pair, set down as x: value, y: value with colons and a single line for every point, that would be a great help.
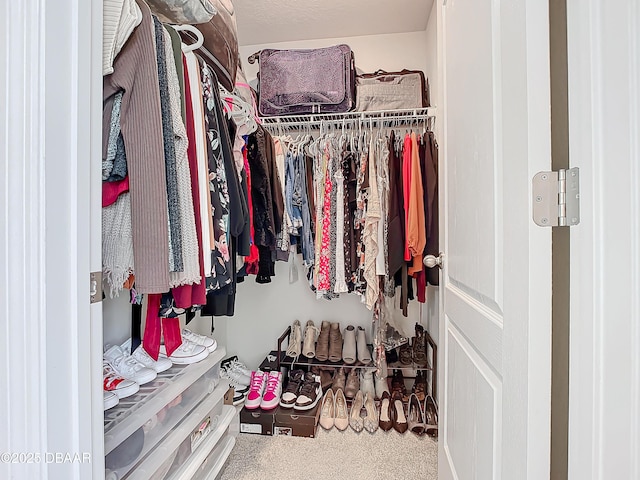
x: 422, y: 418
x: 297, y: 345
x: 392, y: 413
x: 355, y: 346
x: 115, y: 386
x: 303, y: 391
x: 381, y: 386
x: 334, y: 411
x: 123, y: 372
x: 326, y: 374
x: 264, y: 390
x: 416, y: 351
x: 351, y: 384
x: 240, y: 392
x: 239, y: 377
x: 369, y: 421
x: 397, y: 383
x: 194, y: 348
x: 357, y: 379
x: 329, y: 345
x: 235, y: 371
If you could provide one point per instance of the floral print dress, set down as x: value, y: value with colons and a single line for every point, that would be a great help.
x: 218, y: 188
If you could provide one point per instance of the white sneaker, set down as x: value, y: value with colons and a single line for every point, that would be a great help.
x: 236, y: 375
x: 237, y: 365
x: 239, y: 392
x: 128, y: 367
x: 186, y: 354
x: 112, y: 382
x: 110, y: 400
x: 207, y: 342
x: 141, y: 355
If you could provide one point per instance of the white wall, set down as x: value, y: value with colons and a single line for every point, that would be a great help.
x: 390, y: 52
x: 431, y: 58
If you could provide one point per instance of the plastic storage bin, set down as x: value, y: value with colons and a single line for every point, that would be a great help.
x: 139, y: 423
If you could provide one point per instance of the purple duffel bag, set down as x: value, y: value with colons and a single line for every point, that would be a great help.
x: 296, y: 82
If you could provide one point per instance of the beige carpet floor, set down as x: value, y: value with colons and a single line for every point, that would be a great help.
x: 334, y: 455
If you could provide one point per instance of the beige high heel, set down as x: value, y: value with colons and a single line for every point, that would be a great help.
x: 342, y: 413
x: 328, y: 412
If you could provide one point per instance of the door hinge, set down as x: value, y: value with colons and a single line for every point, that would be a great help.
x: 95, y: 287
x: 556, y: 198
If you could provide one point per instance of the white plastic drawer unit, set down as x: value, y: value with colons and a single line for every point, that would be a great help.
x: 212, y: 465
x: 141, y: 423
x: 187, y: 468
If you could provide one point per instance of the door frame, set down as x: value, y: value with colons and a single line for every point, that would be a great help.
x: 52, y: 336
x: 604, y: 136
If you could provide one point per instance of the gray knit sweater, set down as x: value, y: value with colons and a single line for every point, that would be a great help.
x: 136, y: 72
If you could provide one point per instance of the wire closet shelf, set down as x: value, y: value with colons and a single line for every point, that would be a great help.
x: 382, y: 118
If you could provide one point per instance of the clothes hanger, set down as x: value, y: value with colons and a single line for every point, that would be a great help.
x: 190, y: 28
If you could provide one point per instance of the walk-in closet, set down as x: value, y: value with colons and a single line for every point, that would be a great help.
x: 212, y: 266
x: 326, y: 181
x: 309, y: 239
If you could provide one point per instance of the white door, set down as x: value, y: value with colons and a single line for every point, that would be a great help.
x: 495, y: 332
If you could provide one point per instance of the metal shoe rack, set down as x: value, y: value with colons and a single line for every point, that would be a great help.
x: 282, y: 360
x: 410, y: 369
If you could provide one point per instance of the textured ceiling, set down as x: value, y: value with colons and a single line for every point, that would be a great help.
x: 272, y: 21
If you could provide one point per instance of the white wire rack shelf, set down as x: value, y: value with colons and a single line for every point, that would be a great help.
x: 374, y: 118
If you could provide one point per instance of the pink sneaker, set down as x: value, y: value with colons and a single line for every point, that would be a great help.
x: 271, y: 397
x: 256, y: 389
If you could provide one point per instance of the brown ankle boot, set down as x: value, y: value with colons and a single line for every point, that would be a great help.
x: 353, y: 384
x: 322, y: 346
x: 335, y: 343
x: 339, y: 380
x: 326, y: 379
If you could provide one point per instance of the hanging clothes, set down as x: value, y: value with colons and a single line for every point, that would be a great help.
x: 187, y: 296
x: 136, y: 74
x: 221, y: 301
x: 395, y: 217
x: 190, y: 272
x: 120, y: 18
x: 174, y: 220
x: 416, y: 236
x: 194, y: 85
x: 431, y: 201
